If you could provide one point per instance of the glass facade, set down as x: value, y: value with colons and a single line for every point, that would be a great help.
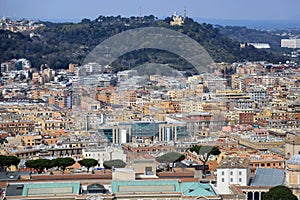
x: 162, y: 131
x: 108, y: 133
x: 182, y: 132
x: 144, y: 129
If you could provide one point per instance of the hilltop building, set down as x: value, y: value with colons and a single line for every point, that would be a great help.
x: 176, y: 20
x: 290, y: 43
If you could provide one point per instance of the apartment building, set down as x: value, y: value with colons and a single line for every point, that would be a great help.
x: 232, y: 170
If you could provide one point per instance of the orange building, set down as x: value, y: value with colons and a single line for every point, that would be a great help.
x: 31, y: 140
x: 171, y: 106
x: 266, y: 161
x: 17, y: 127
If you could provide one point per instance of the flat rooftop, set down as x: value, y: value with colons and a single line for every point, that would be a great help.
x: 234, y: 162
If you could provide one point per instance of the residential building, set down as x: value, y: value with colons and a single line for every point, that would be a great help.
x: 232, y: 170
x: 103, y: 153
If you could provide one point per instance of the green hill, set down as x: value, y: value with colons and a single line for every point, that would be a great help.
x: 243, y: 34
x: 62, y: 43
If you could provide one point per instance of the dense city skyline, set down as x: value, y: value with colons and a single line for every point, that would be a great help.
x: 136, y: 107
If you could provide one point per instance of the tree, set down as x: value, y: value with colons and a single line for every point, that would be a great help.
x: 39, y: 164
x: 3, y: 162
x: 88, y: 163
x: 3, y: 140
x: 13, y: 160
x: 63, y: 163
x: 114, y: 163
x: 204, y: 153
x: 279, y: 192
x: 170, y: 157
x: 7, y: 161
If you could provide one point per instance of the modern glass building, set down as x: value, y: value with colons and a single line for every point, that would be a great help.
x: 138, y: 131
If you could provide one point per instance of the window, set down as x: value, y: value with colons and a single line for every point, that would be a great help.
x: 240, y: 173
x: 223, y: 180
x: 231, y: 180
x: 240, y: 179
x: 231, y: 173
x: 223, y: 173
x: 268, y: 164
x: 148, y: 171
x: 263, y: 164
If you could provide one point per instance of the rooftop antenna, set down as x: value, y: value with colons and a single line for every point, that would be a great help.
x: 184, y: 15
x: 140, y: 14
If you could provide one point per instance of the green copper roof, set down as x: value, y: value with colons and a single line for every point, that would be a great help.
x: 197, y: 189
x: 154, y: 186
x: 145, y: 186
x: 50, y: 189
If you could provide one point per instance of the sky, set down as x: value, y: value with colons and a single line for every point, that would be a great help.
x: 209, y: 9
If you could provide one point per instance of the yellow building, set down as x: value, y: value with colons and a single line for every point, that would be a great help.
x: 31, y: 140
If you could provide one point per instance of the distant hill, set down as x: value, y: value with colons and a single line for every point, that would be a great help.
x: 243, y: 34
x: 63, y: 43
x: 254, y: 24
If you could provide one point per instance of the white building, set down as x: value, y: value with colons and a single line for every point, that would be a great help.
x: 232, y: 170
x: 214, y: 83
x: 176, y: 20
x: 290, y: 43
x: 258, y: 93
x: 104, y: 154
x: 260, y: 45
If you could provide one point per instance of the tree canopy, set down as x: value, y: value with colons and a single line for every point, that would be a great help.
x: 88, y: 163
x: 114, y: 163
x: 3, y: 140
x: 7, y: 161
x: 170, y: 157
x: 63, y: 163
x: 39, y: 164
x: 62, y: 43
x: 279, y: 192
x: 204, y: 153
x: 244, y: 34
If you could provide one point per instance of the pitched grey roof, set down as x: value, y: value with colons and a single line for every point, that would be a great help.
x: 268, y: 177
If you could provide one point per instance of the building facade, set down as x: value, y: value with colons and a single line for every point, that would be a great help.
x: 232, y: 170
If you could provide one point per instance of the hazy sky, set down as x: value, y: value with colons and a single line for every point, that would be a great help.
x: 214, y: 9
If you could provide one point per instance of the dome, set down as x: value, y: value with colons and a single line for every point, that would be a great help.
x: 294, y: 160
